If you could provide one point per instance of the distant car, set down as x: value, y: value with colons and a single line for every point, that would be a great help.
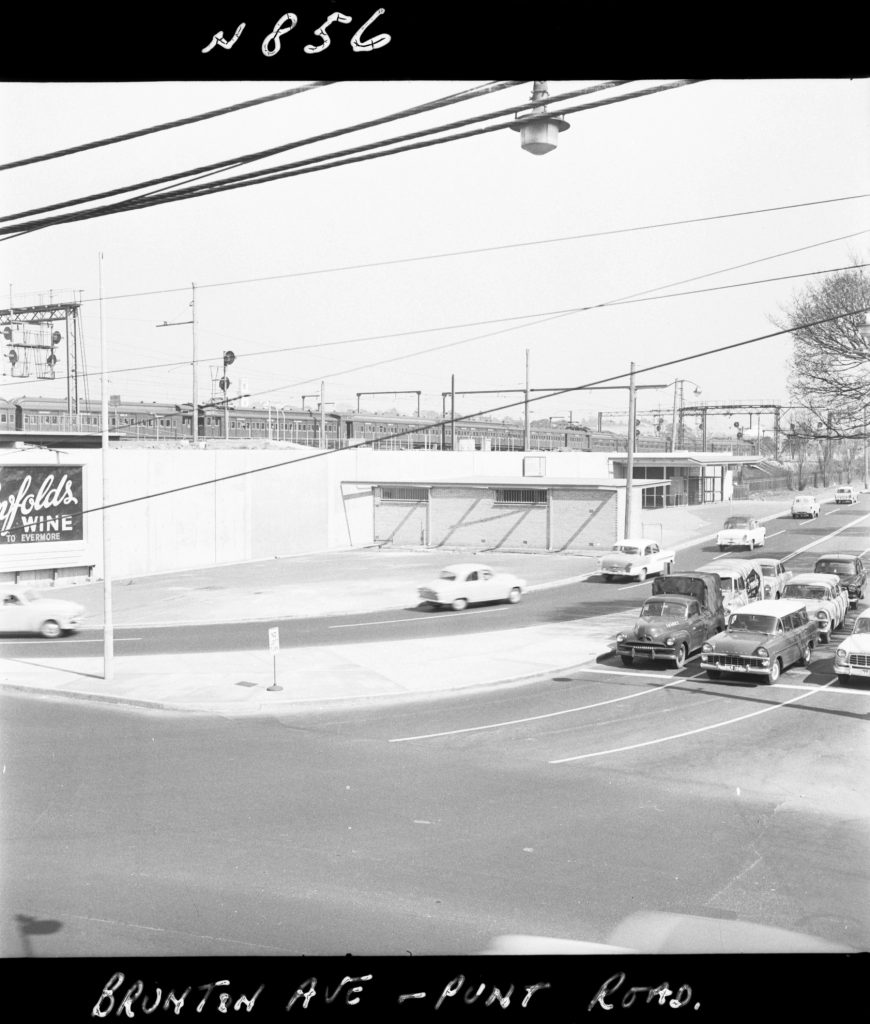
x: 741, y: 532
x: 826, y: 601
x: 471, y: 583
x: 845, y: 496
x: 774, y: 576
x: 853, y: 654
x: 805, y: 506
x: 670, y: 628
x: 26, y: 611
x: 636, y: 559
x: 763, y: 639
x: 850, y: 569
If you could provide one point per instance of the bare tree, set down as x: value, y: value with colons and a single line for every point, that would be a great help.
x: 830, y: 367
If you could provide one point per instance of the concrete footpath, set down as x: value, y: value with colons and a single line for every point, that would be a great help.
x: 335, y: 583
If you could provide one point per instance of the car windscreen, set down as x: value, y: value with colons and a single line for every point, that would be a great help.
x: 627, y: 549
x: 736, y: 523
x: 804, y: 591
x: 840, y: 566
x: 862, y: 626
x: 664, y: 609
x: 746, y: 622
x: 768, y: 570
x: 447, y: 575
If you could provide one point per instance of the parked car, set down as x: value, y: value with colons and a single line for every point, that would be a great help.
x: 805, y: 506
x: 741, y: 532
x: 826, y: 601
x: 845, y: 496
x: 764, y: 639
x: 470, y: 583
x: 671, y: 627
x: 740, y: 579
x: 850, y: 569
x: 27, y: 611
x: 774, y: 576
x: 636, y: 559
x: 853, y: 654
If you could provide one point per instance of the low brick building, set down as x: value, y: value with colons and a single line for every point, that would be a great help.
x: 507, y: 514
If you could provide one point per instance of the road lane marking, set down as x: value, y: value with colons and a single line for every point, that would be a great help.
x: 809, y: 686
x: 828, y: 536
x: 631, y: 586
x: 380, y: 622
x: 690, y: 732
x: 775, y: 534
x: 537, y: 718
x: 96, y: 640
x: 832, y: 512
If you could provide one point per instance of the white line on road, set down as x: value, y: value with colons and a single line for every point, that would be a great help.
x: 690, y: 732
x: 807, y: 686
x: 538, y: 718
x: 631, y: 586
x: 78, y: 640
x: 827, y: 536
x: 832, y: 512
x: 775, y: 534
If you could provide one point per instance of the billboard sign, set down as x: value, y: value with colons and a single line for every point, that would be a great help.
x: 40, y: 504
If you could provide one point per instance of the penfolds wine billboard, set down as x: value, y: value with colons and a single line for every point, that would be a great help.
x: 39, y: 504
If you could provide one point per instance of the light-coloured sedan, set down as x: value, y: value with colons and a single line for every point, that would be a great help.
x: 825, y: 600
x: 853, y: 654
x: 26, y: 611
x: 636, y: 558
x: 471, y: 583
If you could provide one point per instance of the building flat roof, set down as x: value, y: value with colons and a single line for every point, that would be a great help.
x: 684, y: 458
x: 525, y: 482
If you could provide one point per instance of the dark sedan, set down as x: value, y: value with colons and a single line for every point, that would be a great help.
x: 851, y: 570
x: 670, y: 628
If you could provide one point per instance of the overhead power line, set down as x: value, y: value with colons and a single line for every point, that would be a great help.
x: 358, y: 154
x: 166, y: 126
x: 327, y: 452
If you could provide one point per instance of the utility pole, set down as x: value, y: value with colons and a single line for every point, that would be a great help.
x: 527, y: 435
x: 452, y: 412
x: 195, y: 410
x: 323, y: 443
x: 108, y: 636
x: 629, y: 470
x: 674, y: 420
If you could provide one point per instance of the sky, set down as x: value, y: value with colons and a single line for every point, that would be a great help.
x: 363, y: 277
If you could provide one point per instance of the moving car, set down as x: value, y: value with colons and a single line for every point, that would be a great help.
x: 470, y: 583
x: 763, y: 639
x: 741, y: 532
x: 26, y: 611
x: 740, y: 579
x: 825, y: 600
x: 670, y: 628
x: 636, y: 558
x: 805, y: 506
x: 853, y: 654
x: 774, y: 576
x: 845, y: 496
x: 849, y: 569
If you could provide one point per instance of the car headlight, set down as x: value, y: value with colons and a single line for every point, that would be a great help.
x: 746, y: 536
x: 762, y: 652
x: 706, y: 648
x: 842, y: 656
x: 620, y: 637
x: 629, y: 568
x: 670, y: 641
x: 822, y: 615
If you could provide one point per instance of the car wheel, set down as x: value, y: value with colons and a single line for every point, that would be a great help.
x: 50, y: 629
x: 774, y: 671
x: 752, y: 545
x: 807, y: 656
x: 627, y: 659
x: 680, y: 656
x: 825, y: 637
x: 460, y: 604
x: 714, y: 673
x: 514, y: 595
x: 641, y: 575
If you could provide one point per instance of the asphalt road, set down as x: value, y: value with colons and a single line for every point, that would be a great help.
x: 557, y: 808
x: 786, y: 539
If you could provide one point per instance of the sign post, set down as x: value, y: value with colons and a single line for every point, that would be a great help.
x: 274, y: 647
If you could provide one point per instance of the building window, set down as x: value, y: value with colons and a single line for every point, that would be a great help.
x: 404, y: 494
x: 520, y: 496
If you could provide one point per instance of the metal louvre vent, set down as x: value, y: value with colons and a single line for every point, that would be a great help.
x: 403, y: 494
x: 520, y: 496
x: 860, y: 660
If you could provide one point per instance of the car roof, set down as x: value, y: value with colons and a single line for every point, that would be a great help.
x: 805, y: 497
x: 863, y: 615
x: 838, y: 554
x: 767, y: 561
x: 667, y: 597
x: 728, y: 563
x: 636, y: 540
x: 815, y: 577
x: 777, y: 608
x: 458, y: 567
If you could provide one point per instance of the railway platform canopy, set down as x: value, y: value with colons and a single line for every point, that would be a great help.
x: 684, y: 478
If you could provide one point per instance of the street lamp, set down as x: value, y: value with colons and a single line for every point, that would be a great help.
x: 539, y: 132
